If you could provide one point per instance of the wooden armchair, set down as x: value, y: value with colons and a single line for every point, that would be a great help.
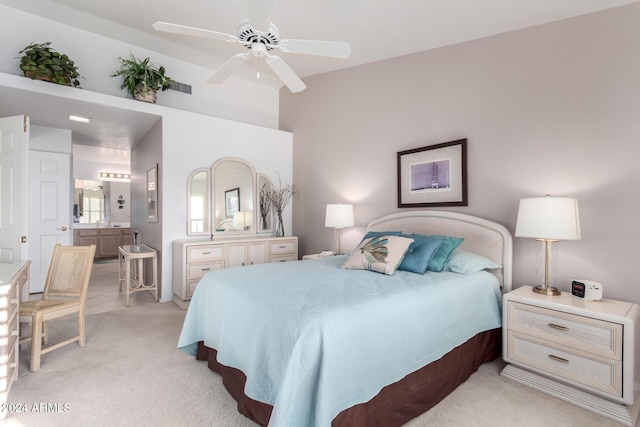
x: 65, y: 292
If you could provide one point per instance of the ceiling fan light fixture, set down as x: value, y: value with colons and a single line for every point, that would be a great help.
x: 260, y: 36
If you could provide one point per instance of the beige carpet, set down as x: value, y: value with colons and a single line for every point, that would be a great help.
x: 131, y: 374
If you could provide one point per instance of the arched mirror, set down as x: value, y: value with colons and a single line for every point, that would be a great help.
x: 265, y: 210
x: 233, y: 196
x: 199, y: 218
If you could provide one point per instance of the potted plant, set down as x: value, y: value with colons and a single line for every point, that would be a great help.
x: 142, y: 79
x: 40, y: 62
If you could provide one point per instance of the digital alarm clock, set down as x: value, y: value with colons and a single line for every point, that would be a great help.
x: 587, y: 290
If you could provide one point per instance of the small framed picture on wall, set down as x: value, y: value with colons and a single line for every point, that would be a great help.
x: 435, y: 175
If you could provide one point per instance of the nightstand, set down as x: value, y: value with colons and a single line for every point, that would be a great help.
x: 579, y: 351
x: 321, y: 255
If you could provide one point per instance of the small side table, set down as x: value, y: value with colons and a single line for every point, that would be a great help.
x: 133, y: 274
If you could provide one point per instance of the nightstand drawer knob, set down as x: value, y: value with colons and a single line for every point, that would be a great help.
x: 558, y: 359
x: 558, y: 327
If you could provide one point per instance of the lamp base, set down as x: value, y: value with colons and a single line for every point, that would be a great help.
x: 550, y: 291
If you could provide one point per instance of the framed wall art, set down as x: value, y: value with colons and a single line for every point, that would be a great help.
x: 435, y: 175
x: 232, y: 202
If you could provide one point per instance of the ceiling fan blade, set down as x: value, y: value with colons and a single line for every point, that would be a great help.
x: 192, y: 31
x: 340, y: 50
x: 228, y: 67
x: 260, y: 14
x: 286, y: 74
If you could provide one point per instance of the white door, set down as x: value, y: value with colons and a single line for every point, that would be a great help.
x: 49, y: 210
x: 14, y: 149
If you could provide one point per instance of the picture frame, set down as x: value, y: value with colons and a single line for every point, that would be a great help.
x: 152, y: 194
x: 434, y: 175
x: 232, y: 201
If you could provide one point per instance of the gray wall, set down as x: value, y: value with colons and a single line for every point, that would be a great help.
x: 146, y: 154
x: 550, y: 109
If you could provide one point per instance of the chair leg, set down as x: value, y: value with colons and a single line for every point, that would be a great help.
x: 81, y: 328
x: 36, y: 343
x: 45, y: 333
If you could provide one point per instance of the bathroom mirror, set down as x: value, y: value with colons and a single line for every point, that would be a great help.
x: 198, y: 191
x: 233, y: 196
x: 152, y: 194
x: 90, y: 201
x: 265, y: 210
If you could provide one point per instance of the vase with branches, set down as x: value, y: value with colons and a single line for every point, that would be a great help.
x: 265, y: 205
x: 279, y: 197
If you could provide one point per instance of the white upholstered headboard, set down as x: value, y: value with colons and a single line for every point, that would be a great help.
x: 481, y: 236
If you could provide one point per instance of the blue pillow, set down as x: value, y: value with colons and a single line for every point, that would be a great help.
x: 417, y: 257
x: 371, y: 234
x: 439, y: 259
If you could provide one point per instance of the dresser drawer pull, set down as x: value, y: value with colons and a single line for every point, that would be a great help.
x: 282, y: 247
x: 283, y: 260
x: 206, y: 269
x: 558, y: 327
x: 558, y: 359
x: 206, y: 253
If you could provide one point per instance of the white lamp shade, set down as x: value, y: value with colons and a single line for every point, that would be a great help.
x: 339, y: 216
x: 554, y: 218
x: 242, y: 219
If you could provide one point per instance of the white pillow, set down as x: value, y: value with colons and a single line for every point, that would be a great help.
x: 464, y: 262
x: 381, y: 254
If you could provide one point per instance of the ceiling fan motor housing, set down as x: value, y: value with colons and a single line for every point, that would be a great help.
x: 258, y: 41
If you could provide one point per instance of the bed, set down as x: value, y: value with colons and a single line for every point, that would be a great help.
x: 309, y: 343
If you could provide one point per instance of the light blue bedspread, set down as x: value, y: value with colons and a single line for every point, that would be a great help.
x: 314, y: 339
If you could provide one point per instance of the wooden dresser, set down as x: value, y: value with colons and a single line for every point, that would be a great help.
x: 192, y: 259
x: 13, y: 278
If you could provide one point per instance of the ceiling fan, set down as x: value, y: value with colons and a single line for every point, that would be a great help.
x: 258, y: 34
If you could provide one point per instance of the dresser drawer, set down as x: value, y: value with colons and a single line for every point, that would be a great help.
x: 282, y: 247
x: 205, y: 253
x: 110, y: 232
x: 578, y: 332
x: 196, y: 271
x: 589, y: 370
x: 283, y: 258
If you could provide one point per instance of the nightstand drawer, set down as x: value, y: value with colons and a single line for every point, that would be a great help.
x: 588, y: 370
x: 578, y: 332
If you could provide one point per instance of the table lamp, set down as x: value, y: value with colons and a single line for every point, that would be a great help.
x: 548, y: 219
x: 339, y: 216
x: 242, y: 219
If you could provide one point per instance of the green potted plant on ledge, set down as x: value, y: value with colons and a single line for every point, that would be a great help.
x: 40, y: 62
x: 142, y: 79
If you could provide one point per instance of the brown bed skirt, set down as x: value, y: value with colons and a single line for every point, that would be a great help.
x: 396, y: 403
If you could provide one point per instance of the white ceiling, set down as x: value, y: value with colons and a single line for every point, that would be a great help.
x: 376, y: 29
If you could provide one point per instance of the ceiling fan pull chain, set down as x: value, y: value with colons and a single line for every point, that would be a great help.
x: 258, y: 69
